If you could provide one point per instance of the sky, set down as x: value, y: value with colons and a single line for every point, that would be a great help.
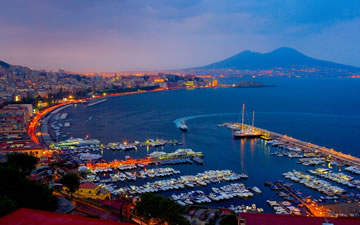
x: 126, y: 35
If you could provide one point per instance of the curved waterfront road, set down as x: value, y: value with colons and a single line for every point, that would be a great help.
x: 35, y: 123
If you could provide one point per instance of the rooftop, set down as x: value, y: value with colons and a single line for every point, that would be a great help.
x: 37, y: 217
x: 88, y: 185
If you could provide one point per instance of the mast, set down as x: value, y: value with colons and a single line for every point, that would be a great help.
x: 253, y: 121
x: 242, y: 119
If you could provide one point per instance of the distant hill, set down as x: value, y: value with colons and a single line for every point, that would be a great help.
x: 281, y: 57
x: 4, y: 64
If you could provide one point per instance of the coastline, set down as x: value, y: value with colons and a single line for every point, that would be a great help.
x: 96, y: 102
x: 255, y: 150
x: 35, y: 122
x: 44, y: 125
x: 55, y: 109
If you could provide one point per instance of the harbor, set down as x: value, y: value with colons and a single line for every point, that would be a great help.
x: 296, y: 145
x: 116, y: 176
x: 188, y: 181
x: 118, y: 161
x: 180, y: 112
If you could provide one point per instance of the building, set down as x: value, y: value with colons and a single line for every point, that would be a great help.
x: 190, y: 83
x: 12, y: 119
x: 93, y: 191
x: 39, y: 217
x: 15, y: 117
x: 23, y: 146
x: 214, y: 83
x: 202, y: 216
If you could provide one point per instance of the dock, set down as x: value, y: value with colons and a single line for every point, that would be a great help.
x: 131, y: 162
x: 311, y: 208
x: 306, y: 146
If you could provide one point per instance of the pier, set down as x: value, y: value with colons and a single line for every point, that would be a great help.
x: 134, y: 162
x: 306, y: 146
x: 311, y: 208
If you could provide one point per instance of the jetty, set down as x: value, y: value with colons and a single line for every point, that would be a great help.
x: 346, y: 159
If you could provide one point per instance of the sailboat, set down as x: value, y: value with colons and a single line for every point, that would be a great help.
x: 246, y: 133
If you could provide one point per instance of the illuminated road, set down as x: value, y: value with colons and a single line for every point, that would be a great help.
x: 35, y: 123
x: 312, y: 208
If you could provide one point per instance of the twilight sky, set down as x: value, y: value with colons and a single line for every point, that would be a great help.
x: 121, y: 35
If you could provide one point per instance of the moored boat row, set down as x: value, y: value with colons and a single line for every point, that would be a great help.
x: 218, y: 194
x: 189, y: 181
x: 339, y: 178
x: 316, y: 184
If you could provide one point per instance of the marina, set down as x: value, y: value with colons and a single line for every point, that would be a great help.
x: 109, y: 175
x: 296, y: 145
x: 180, y: 112
x: 188, y: 181
x: 120, y: 156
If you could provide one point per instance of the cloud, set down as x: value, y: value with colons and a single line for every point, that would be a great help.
x: 112, y: 35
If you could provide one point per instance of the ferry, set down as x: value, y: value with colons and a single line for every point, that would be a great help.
x: 183, y: 126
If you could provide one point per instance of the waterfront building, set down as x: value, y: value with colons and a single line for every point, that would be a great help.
x: 214, y: 83
x: 93, y: 191
x: 23, y: 146
x: 189, y: 83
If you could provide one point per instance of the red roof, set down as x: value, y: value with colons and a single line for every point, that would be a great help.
x: 88, y: 185
x: 38, y: 217
x: 271, y: 219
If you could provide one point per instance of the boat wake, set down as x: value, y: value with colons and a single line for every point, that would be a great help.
x: 178, y: 121
x: 186, y: 118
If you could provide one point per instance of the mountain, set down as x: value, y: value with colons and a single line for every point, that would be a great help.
x: 282, y: 57
x: 4, y: 64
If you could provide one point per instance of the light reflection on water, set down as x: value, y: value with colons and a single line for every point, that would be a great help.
x: 311, y: 116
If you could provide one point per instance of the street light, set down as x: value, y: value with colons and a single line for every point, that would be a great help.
x: 17, y: 98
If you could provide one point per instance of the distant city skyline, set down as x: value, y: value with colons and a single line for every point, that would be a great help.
x: 124, y: 35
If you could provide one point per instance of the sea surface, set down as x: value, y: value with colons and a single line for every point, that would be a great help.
x: 323, y: 111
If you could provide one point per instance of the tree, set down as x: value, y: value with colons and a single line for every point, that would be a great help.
x: 22, y: 162
x: 71, y: 181
x: 153, y: 206
x: 16, y: 191
x: 7, y: 205
x: 229, y: 220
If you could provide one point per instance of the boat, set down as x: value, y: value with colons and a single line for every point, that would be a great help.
x: 198, y: 160
x: 246, y: 133
x: 256, y: 190
x: 183, y: 126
